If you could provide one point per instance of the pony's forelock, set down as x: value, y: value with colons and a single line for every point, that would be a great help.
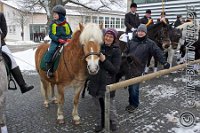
x: 91, y: 32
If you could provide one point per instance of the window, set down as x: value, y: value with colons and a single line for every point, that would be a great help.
x: 146, y: 1
x: 153, y: 1
x: 101, y: 20
x: 94, y: 19
x: 107, y: 22
x: 112, y: 23
x: 13, y: 27
x: 10, y: 29
x: 139, y: 1
x: 14, y: 14
x: 117, y: 22
x: 87, y: 19
x: 122, y: 23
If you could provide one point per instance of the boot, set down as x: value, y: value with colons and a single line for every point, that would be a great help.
x: 20, y: 80
x: 100, y: 127
x: 49, y: 69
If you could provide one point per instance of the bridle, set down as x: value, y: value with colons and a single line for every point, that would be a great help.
x: 92, y: 53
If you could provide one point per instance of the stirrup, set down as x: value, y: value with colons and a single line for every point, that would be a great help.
x: 49, y: 73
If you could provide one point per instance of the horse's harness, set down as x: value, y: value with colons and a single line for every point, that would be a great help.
x: 92, y: 53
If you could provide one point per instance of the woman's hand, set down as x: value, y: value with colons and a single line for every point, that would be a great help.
x: 102, y: 57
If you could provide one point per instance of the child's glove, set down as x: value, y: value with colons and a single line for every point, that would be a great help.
x: 61, y: 41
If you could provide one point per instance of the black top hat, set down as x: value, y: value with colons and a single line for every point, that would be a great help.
x: 133, y: 5
x: 148, y: 11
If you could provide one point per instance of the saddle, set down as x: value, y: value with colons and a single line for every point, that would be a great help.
x: 54, y: 60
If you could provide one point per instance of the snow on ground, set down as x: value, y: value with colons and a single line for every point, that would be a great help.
x: 20, y: 43
x: 25, y: 59
x: 194, y: 129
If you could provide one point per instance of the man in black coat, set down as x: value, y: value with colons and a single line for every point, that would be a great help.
x: 132, y: 20
x: 110, y: 60
x: 141, y: 47
x: 178, y: 21
x: 147, y: 20
x: 14, y: 67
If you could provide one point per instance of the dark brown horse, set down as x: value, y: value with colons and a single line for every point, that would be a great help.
x: 79, y: 57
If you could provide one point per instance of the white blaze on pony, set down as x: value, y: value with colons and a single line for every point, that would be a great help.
x: 94, y: 34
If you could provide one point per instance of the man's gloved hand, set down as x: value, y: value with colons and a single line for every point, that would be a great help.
x: 166, y: 65
x: 61, y: 41
x: 133, y: 29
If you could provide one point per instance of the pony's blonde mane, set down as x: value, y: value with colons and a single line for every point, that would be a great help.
x: 91, y: 32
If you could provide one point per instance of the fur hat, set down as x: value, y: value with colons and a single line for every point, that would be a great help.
x: 142, y: 27
x: 112, y: 32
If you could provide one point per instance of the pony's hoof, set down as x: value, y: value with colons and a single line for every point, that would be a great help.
x: 46, y: 104
x: 60, y: 121
x: 54, y: 101
x: 76, y: 122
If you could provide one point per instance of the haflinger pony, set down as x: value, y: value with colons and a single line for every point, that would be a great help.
x: 79, y: 57
x: 3, y: 89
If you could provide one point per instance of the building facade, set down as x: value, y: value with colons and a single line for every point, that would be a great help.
x: 171, y: 7
x: 34, y: 28
x: 21, y: 25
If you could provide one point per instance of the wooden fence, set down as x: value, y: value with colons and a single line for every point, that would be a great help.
x: 122, y: 84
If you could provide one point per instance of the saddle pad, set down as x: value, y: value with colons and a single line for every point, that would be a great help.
x: 55, y: 63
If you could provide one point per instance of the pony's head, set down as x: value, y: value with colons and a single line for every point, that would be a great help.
x: 175, y: 35
x: 91, y: 38
x: 164, y: 37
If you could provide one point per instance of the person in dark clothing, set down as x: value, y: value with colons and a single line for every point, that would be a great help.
x: 132, y: 20
x: 14, y: 67
x: 178, y: 21
x: 141, y: 47
x: 163, y: 15
x: 110, y: 59
x: 147, y: 20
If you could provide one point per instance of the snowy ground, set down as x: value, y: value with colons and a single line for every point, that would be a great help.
x: 162, y: 102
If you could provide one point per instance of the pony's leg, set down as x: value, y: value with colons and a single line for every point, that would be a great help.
x: 170, y: 56
x: 45, y: 89
x: 155, y: 69
x: 85, y: 87
x: 75, y: 115
x: 148, y: 64
x: 53, y: 96
x: 60, y: 116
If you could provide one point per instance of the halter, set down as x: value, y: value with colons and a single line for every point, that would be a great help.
x: 92, y: 53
